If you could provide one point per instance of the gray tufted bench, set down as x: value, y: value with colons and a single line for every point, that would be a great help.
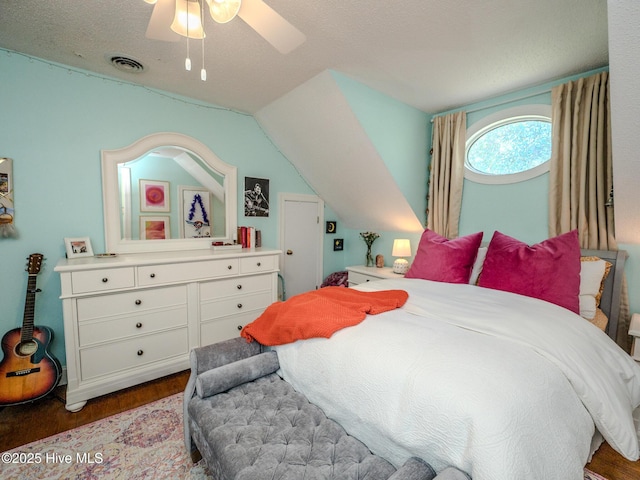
x: 249, y: 424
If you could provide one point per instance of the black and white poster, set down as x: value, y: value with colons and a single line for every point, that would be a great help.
x: 256, y: 197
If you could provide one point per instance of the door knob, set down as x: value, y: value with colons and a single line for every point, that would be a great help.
x: 289, y: 252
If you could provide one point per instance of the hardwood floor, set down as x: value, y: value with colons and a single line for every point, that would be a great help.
x: 22, y: 424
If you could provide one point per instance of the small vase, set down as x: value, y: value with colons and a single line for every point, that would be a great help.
x: 369, y: 257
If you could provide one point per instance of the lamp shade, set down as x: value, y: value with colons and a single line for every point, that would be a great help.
x: 223, y: 11
x: 187, y: 20
x: 401, y: 248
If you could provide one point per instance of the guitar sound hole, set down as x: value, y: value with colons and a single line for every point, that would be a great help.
x: 27, y: 349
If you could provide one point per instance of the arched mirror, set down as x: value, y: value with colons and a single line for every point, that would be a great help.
x: 166, y: 192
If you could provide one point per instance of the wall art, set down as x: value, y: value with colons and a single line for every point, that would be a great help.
x: 154, y: 227
x: 256, y: 197
x: 195, y: 216
x: 154, y: 196
x: 7, y: 227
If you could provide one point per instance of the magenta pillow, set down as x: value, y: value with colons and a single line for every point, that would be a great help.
x: 444, y: 260
x: 548, y: 270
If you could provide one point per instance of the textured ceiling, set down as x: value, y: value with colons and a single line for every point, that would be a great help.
x: 431, y: 54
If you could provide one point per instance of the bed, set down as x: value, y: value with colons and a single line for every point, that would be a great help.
x: 498, y: 384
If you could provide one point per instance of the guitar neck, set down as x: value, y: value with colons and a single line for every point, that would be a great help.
x: 29, y: 309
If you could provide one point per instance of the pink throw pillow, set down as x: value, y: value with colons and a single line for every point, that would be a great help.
x: 443, y: 260
x: 549, y: 270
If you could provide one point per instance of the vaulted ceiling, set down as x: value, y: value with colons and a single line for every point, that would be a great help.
x: 431, y: 54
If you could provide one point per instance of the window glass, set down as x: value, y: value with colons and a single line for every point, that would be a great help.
x: 510, y: 146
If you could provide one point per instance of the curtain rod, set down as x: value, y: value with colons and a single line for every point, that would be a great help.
x: 496, y: 104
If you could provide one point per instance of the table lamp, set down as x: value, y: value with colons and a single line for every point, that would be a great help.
x: 401, y: 248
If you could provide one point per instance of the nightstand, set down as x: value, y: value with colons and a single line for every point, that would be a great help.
x: 361, y: 274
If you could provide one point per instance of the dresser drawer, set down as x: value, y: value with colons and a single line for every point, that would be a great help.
x: 235, y: 305
x: 225, y: 328
x: 186, y: 272
x: 140, y: 323
x: 262, y: 263
x: 113, y: 357
x: 102, y: 280
x: 356, y: 278
x: 234, y: 286
x: 131, y: 303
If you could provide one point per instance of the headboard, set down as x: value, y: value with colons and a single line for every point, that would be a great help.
x: 610, y: 301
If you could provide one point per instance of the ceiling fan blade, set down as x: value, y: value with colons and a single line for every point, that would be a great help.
x: 160, y: 22
x: 271, y: 25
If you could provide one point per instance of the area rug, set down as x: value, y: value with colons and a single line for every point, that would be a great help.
x: 143, y: 443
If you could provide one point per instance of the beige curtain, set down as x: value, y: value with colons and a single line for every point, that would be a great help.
x: 581, y: 178
x: 581, y: 167
x: 444, y: 199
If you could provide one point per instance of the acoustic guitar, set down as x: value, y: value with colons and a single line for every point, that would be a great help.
x: 28, y: 371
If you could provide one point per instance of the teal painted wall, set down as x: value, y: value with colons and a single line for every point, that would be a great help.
x: 55, y: 121
x: 401, y: 135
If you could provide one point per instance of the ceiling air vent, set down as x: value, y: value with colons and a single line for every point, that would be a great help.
x: 126, y: 64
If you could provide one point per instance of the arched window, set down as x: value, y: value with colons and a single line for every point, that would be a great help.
x: 509, y: 146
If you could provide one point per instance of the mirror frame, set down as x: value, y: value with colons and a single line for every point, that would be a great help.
x: 111, y: 196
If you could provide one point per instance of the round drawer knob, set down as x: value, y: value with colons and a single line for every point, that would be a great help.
x: 239, y: 287
x: 140, y: 352
x: 258, y: 263
x: 138, y: 325
x: 239, y: 327
x: 239, y: 305
x: 229, y: 267
x: 105, y: 280
x: 138, y: 302
x: 153, y: 275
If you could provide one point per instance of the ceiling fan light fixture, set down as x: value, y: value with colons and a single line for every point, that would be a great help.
x: 187, y: 20
x: 223, y: 11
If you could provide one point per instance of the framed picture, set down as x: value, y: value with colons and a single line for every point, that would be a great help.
x: 154, y: 196
x: 154, y: 228
x: 256, y: 197
x: 78, y: 247
x: 195, y: 215
x: 338, y: 244
x: 331, y: 227
x: 7, y: 228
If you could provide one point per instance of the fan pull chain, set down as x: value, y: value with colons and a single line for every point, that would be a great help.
x: 203, y: 72
x: 187, y: 61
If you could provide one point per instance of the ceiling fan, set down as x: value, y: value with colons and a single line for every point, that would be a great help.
x: 164, y: 22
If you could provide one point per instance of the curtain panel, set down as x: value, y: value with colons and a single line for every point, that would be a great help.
x: 581, y: 172
x: 581, y: 167
x: 444, y: 199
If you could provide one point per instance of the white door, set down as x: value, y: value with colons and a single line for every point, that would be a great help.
x: 301, y: 234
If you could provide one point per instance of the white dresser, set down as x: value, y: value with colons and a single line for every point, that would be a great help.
x: 135, y: 317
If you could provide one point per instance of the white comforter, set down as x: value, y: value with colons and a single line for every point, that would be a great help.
x: 499, y: 385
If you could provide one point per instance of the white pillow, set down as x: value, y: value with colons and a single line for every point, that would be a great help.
x: 477, y: 266
x: 591, y: 273
x: 587, y: 306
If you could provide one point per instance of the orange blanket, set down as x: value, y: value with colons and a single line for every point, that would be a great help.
x: 319, y: 313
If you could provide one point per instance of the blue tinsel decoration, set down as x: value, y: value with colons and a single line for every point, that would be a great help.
x: 198, y: 199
